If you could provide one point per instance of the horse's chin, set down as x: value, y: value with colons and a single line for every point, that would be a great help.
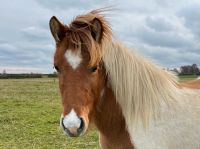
x: 77, y: 135
x: 73, y: 136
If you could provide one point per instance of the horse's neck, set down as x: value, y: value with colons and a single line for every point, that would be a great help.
x: 109, y: 120
x: 139, y: 85
x: 108, y: 114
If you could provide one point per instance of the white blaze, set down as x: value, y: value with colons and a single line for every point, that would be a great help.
x: 74, y: 58
x: 71, y: 120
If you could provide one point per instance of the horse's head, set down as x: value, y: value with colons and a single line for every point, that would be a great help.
x: 80, y: 69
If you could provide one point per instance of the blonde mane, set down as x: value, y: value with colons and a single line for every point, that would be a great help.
x: 140, y: 87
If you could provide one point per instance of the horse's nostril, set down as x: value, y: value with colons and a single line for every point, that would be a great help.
x: 82, y: 125
x: 62, y: 124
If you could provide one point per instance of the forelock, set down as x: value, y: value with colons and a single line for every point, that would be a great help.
x: 79, y: 34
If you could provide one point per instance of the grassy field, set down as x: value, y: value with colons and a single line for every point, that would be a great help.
x: 29, y: 117
x: 187, y: 77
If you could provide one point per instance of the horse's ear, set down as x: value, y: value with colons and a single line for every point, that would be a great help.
x: 57, y: 29
x: 96, y: 30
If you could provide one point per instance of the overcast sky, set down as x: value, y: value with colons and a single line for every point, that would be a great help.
x: 166, y: 31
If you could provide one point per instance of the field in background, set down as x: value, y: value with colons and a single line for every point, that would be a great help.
x: 29, y: 116
x: 187, y: 77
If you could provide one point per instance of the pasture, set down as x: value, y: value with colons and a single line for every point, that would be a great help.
x: 29, y: 116
x: 187, y: 77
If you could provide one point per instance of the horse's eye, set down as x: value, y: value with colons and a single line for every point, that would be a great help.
x: 57, y: 69
x: 93, y: 69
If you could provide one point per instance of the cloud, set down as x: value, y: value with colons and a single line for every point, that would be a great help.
x: 20, y: 70
x: 159, y: 24
x: 191, y: 18
x: 65, y: 5
x: 162, y: 39
x: 7, y: 47
x: 33, y: 33
x: 166, y: 31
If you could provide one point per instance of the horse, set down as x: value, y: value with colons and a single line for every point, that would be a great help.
x: 132, y: 102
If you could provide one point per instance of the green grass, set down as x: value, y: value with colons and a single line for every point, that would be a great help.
x: 29, y: 117
x: 187, y: 77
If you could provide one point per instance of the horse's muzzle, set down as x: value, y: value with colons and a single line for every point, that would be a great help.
x: 73, y: 131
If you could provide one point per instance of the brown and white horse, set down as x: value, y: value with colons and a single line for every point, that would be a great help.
x: 130, y: 100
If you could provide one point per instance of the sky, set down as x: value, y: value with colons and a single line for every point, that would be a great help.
x: 166, y: 31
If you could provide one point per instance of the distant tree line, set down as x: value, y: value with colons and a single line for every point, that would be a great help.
x: 52, y: 75
x: 189, y: 70
x: 184, y: 70
x: 5, y: 75
x: 19, y: 76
